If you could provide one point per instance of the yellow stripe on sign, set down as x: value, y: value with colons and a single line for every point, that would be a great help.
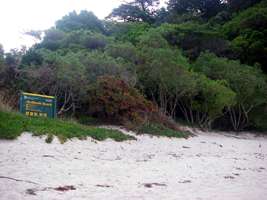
x: 37, y: 95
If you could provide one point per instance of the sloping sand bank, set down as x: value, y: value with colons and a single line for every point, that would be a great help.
x: 208, y: 166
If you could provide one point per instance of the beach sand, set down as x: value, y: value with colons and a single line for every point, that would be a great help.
x: 209, y: 166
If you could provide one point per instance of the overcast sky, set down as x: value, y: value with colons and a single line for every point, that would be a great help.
x: 18, y: 16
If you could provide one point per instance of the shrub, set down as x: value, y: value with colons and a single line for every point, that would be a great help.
x: 114, y: 100
x: 259, y: 118
x: 161, y: 130
x: 5, y: 105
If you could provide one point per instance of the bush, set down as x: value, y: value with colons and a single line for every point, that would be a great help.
x: 114, y: 100
x: 4, y: 103
x: 160, y: 130
x: 259, y: 118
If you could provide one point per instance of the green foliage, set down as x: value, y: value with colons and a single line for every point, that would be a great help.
x: 126, y: 51
x: 53, y: 39
x: 13, y: 124
x: 67, y: 75
x: 165, y: 76
x: 162, y: 71
x: 211, y: 100
x: 238, y: 5
x: 194, y: 38
x: 136, y: 11
x: 247, y: 82
x: 248, y: 33
x: 76, y: 40
x: 160, y: 130
x: 89, y: 120
x: 201, y: 8
x: 84, y: 20
x: 100, y: 64
x: 259, y: 118
x: 128, y: 31
x: 152, y: 39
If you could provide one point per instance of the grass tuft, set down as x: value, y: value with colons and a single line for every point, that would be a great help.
x: 13, y: 124
x: 49, y: 139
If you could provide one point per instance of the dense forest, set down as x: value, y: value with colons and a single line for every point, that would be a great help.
x: 199, y: 62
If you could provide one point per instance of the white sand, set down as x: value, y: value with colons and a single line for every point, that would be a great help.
x: 208, y: 167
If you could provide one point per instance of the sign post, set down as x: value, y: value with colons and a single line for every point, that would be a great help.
x: 38, y: 105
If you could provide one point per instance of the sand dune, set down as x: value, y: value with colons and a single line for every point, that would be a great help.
x: 208, y: 166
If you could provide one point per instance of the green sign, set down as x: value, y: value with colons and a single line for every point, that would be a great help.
x: 37, y: 105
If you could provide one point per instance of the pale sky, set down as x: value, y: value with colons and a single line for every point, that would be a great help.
x: 18, y: 16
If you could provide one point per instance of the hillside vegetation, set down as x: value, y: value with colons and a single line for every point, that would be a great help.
x: 200, y: 62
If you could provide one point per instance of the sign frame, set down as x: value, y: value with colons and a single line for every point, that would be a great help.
x: 37, y: 105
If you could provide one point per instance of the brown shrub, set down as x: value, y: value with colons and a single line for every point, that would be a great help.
x: 114, y: 100
x: 5, y: 102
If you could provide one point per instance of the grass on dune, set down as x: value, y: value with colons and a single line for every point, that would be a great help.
x: 13, y: 124
x: 160, y: 130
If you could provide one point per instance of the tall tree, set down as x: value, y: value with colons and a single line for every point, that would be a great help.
x: 84, y: 20
x: 202, y: 8
x: 247, y: 82
x: 237, y: 5
x: 137, y: 10
x: 247, y: 32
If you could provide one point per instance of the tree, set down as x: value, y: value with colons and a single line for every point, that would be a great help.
x: 124, y: 50
x: 160, y: 70
x: 52, y: 40
x: 36, y: 34
x: 238, y: 5
x: 247, y: 82
x: 202, y: 8
x: 80, y: 39
x: 10, y: 83
x: 247, y: 32
x: 194, y: 37
x: 135, y: 11
x: 165, y: 77
x: 68, y: 74
x: 128, y: 31
x: 58, y: 75
x: 209, y: 102
x: 84, y: 20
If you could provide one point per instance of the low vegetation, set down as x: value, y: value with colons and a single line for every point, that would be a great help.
x: 13, y: 125
x: 160, y: 130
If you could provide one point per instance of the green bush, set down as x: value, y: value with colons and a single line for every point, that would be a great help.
x: 259, y: 118
x: 160, y: 130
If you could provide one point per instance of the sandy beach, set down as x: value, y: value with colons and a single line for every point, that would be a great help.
x: 208, y: 166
